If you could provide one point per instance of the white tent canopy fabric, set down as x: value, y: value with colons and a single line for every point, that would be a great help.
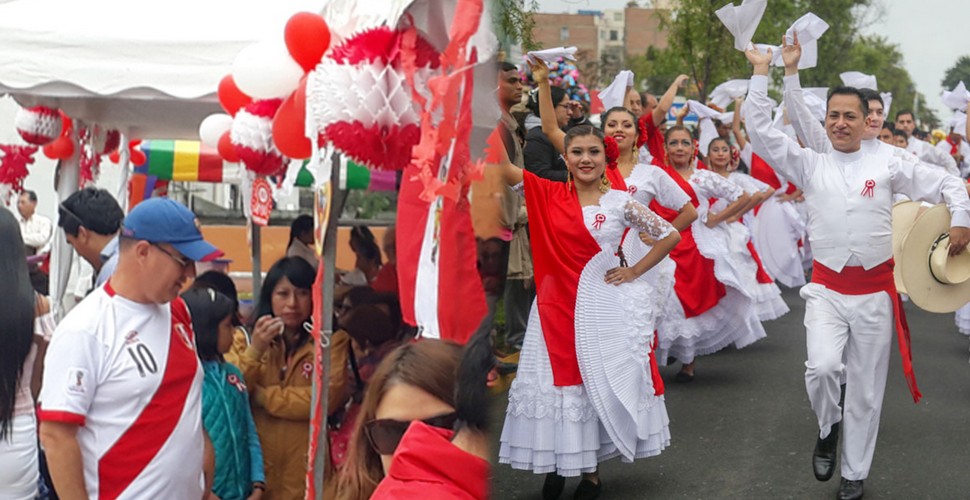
x: 148, y: 70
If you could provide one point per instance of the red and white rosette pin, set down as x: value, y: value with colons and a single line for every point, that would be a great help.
x: 598, y: 222
x: 870, y: 189
x: 307, y: 370
x: 261, y: 202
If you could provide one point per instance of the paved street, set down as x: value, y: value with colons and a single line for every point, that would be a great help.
x: 744, y: 429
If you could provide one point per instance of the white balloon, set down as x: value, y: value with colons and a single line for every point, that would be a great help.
x: 212, y: 128
x: 266, y: 70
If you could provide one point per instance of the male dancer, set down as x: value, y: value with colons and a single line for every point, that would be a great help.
x: 849, y: 197
x: 924, y: 150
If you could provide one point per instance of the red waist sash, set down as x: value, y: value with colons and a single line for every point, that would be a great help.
x: 855, y: 280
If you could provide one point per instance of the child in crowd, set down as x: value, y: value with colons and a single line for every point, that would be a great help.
x: 226, y: 414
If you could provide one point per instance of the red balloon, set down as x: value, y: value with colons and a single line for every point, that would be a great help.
x: 289, y: 125
x: 114, y: 156
x: 134, y: 142
x: 138, y: 157
x: 230, y: 97
x: 61, y: 149
x: 226, y: 150
x: 307, y: 38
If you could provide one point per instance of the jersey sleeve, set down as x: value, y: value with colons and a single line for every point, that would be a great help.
x: 72, y: 368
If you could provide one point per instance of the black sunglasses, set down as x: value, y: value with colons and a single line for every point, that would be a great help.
x: 385, y: 434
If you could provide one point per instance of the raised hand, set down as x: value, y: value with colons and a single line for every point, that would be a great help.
x: 681, y: 81
x: 791, y: 53
x: 540, y: 72
x: 759, y: 60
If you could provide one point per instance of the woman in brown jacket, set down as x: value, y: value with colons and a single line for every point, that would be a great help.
x: 278, y: 368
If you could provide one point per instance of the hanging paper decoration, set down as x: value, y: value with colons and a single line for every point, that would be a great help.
x: 13, y: 165
x: 112, y: 141
x: 261, y: 202
x: 90, y: 160
x: 362, y: 102
x: 38, y: 125
x: 252, y: 137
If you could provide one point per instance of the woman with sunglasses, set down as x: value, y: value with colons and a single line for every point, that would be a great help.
x: 414, y: 382
x: 226, y: 414
x: 278, y: 368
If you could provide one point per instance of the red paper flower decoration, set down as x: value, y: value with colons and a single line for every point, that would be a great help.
x: 38, y: 125
x: 13, y: 165
x: 252, y: 137
x: 612, y: 151
x: 362, y: 102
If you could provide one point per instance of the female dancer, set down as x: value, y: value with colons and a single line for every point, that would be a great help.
x: 760, y: 285
x: 713, y: 310
x: 565, y: 413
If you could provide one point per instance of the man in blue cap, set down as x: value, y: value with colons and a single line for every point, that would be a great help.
x: 121, y: 412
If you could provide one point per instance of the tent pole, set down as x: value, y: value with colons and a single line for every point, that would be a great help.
x: 65, y: 184
x: 329, y: 261
x: 256, y: 245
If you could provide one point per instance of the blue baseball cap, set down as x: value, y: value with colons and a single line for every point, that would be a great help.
x: 161, y: 220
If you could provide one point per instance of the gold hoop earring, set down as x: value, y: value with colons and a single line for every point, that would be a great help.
x: 605, y: 184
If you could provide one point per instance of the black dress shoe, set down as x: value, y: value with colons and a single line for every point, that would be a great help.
x: 553, y: 486
x: 823, y: 459
x: 850, y: 490
x: 588, y: 490
x: 683, y: 377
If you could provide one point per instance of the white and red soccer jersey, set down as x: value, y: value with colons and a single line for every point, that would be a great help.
x: 128, y: 374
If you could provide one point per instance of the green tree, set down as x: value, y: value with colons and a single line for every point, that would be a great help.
x: 959, y: 72
x: 513, y: 23
x: 874, y: 55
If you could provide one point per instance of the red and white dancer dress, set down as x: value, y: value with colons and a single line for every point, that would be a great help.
x: 712, y: 310
x: 779, y: 231
x: 585, y: 390
x: 767, y: 296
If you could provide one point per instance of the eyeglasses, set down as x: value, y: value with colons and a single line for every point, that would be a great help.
x: 385, y: 434
x: 183, y: 262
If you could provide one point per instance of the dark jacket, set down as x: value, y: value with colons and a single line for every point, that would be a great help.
x: 541, y: 157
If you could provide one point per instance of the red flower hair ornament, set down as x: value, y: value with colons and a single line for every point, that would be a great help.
x: 612, y: 151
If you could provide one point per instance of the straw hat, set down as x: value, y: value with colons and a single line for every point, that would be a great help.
x: 935, y: 281
x: 905, y: 214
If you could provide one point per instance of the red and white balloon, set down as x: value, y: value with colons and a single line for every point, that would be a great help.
x: 38, y: 125
x: 252, y: 137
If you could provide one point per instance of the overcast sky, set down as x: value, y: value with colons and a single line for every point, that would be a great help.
x: 932, y: 35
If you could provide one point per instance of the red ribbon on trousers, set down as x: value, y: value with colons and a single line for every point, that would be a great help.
x: 856, y: 280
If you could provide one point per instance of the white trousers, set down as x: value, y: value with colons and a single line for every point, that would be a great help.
x: 850, y: 336
x: 18, y: 460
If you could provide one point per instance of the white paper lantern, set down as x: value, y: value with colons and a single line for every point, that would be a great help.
x: 38, y: 125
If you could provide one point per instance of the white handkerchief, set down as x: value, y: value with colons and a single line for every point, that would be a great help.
x: 887, y: 100
x: 742, y: 20
x: 551, y: 55
x: 959, y: 122
x: 613, y: 95
x: 723, y: 94
x: 809, y: 28
x: 708, y: 130
x: 776, y: 59
x: 726, y: 117
x: 858, y: 80
x: 816, y: 101
x: 957, y: 98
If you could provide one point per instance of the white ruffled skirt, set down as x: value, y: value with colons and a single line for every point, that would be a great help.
x: 735, y: 320
x: 614, y: 412
x: 778, y: 230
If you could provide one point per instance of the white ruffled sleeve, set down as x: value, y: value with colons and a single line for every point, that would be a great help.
x: 714, y: 186
x: 644, y: 220
x: 669, y: 193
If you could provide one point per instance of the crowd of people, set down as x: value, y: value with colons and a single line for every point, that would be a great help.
x: 157, y: 385
x: 629, y: 241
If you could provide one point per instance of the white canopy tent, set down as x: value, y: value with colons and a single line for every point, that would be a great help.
x: 149, y: 70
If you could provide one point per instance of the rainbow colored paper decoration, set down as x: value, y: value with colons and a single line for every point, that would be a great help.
x: 186, y: 161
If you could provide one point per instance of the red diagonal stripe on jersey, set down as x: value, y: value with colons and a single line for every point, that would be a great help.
x: 119, y: 467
